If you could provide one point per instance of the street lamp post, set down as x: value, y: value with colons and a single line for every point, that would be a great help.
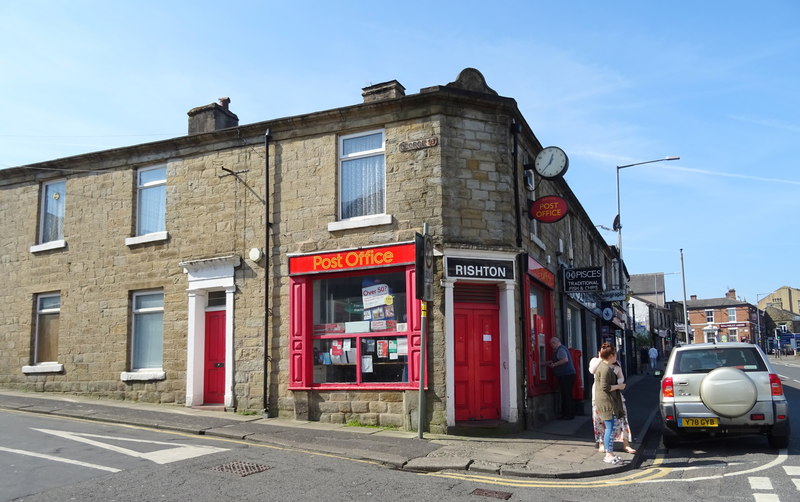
x: 618, y: 227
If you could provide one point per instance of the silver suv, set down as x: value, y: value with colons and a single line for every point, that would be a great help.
x: 722, y: 389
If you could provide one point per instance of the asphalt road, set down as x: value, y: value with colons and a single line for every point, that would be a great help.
x: 51, y: 458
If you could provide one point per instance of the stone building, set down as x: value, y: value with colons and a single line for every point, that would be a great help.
x: 784, y: 298
x: 271, y: 266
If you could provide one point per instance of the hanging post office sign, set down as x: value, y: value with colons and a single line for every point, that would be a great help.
x: 580, y: 280
x: 549, y: 209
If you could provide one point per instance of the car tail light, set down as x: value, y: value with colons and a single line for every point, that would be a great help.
x: 781, y: 417
x: 757, y: 416
x: 668, y: 391
x: 775, y: 384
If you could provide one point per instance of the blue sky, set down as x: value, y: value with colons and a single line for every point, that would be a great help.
x: 615, y: 82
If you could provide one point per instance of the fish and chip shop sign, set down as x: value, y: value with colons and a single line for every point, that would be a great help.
x: 579, y: 280
x: 470, y: 268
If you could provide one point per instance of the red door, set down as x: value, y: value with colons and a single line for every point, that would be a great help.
x: 477, y: 362
x: 214, y: 388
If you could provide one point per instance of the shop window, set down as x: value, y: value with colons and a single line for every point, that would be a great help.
x: 360, y: 329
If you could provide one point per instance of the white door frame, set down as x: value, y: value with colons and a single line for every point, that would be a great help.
x: 509, y: 411
x: 212, y: 274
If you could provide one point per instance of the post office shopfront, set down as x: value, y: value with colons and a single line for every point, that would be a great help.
x: 355, y: 326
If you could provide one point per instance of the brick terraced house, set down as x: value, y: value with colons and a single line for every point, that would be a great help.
x: 270, y: 266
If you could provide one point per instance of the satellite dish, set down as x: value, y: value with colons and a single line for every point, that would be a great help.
x: 616, y: 225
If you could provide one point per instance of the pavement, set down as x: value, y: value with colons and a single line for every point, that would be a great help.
x: 559, y: 449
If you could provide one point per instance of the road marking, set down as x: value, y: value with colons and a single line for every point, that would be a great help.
x: 59, y: 459
x: 781, y: 458
x: 791, y: 470
x: 765, y: 497
x: 163, y: 456
x: 759, y: 483
x: 796, y: 483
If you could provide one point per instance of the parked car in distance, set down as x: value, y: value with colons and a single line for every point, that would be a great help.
x: 722, y: 389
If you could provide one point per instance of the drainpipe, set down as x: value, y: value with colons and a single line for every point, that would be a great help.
x: 515, y: 130
x: 522, y: 259
x: 267, y: 256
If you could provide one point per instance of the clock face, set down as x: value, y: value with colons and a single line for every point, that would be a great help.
x: 551, y: 162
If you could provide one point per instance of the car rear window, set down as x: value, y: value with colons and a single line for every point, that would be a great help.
x: 705, y: 360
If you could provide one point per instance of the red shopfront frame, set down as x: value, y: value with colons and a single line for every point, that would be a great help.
x: 539, y: 329
x: 349, y: 265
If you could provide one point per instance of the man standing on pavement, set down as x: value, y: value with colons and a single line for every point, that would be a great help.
x: 653, y: 353
x: 564, y: 371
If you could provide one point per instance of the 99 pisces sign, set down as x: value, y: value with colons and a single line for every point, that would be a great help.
x: 548, y: 209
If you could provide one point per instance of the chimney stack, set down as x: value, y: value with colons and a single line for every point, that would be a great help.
x: 731, y: 294
x: 693, y: 297
x: 212, y: 117
x: 385, y: 90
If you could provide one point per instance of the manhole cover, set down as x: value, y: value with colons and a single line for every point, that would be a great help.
x: 241, y: 468
x: 491, y: 493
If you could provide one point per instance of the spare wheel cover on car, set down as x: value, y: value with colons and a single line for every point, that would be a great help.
x: 728, y: 392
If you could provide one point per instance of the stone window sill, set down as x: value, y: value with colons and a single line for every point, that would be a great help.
x: 47, y: 246
x: 143, y: 239
x: 43, y: 368
x: 360, y: 222
x: 142, y: 375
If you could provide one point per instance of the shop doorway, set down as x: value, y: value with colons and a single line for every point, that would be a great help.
x: 214, y: 368
x: 477, y: 353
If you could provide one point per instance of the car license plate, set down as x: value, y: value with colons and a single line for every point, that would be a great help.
x: 698, y: 422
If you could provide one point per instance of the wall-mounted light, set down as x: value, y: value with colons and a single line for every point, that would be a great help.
x: 254, y: 254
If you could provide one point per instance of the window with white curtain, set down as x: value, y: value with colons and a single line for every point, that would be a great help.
x: 148, y: 330
x: 362, y: 174
x: 151, y: 185
x: 54, y: 196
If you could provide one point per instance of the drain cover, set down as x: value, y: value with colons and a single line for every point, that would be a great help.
x: 241, y: 468
x: 491, y: 493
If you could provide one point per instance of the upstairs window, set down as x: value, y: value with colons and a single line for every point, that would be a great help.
x: 362, y: 174
x: 48, y: 311
x: 731, y: 315
x: 54, y: 196
x: 709, y: 315
x: 148, y: 330
x: 151, y: 203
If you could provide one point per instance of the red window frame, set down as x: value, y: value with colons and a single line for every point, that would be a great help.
x: 301, y: 336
